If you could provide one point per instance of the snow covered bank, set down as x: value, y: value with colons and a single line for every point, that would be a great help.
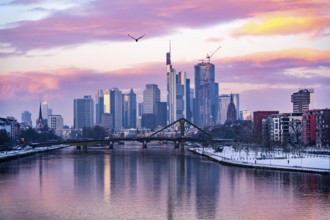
x: 9, y: 155
x: 275, y: 160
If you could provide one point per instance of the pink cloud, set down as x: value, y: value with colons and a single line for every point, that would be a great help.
x: 109, y: 20
x: 284, y: 25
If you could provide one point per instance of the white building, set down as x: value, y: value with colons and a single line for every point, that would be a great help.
x: 55, y: 122
x: 283, y: 128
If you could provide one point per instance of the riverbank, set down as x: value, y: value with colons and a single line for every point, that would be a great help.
x: 14, y: 154
x: 277, y: 160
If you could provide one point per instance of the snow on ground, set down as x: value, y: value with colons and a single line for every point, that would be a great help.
x: 28, y: 150
x: 270, y: 159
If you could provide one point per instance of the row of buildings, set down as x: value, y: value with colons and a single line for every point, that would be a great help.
x: 304, y: 126
x: 203, y: 105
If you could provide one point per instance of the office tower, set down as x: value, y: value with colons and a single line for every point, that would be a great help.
x: 224, y: 101
x: 176, y: 92
x: 181, y: 96
x: 83, y: 112
x: 26, y: 118
x: 231, y: 112
x: 245, y: 115
x: 192, y: 104
x: 206, y: 95
x: 258, y: 116
x: 55, y: 122
x: 301, y: 100
x: 106, y: 101
x: 129, y: 110
x: 99, y: 106
x: 44, y: 110
x: 171, y: 89
x: 113, y: 105
x: 188, y: 101
x: 139, y: 115
x: 161, y: 119
x: 236, y: 102
x: 116, y: 108
x: 151, y: 96
x: 106, y: 121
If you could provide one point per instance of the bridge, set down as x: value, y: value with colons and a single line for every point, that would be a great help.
x: 204, y: 138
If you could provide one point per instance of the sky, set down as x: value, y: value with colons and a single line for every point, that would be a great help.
x: 60, y: 50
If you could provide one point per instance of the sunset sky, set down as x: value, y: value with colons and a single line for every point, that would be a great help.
x: 59, y: 50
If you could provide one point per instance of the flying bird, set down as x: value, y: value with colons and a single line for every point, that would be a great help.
x: 136, y: 39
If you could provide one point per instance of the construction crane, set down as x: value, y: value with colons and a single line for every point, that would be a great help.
x: 208, y: 57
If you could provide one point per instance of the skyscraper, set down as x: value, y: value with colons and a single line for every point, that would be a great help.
x: 116, y: 108
x: 151, y: 96
x: 171, y: 89
x: 99, y: 106
x: 83, y: 112
x: 224, y: 101
x: 206, y: 95
x: 178, y: 89
x: 129, y: 110
x: 26, y: 118
x: 301, y: 100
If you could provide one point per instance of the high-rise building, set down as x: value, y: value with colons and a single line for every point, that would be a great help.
x: 178, y: 90
x: 161, y: 114
x: 151, y: 96
x: 129, y: 110
x: 189, y: 101
x: 99, y: 106
x: 83, y: 112
x: 26, y: 118
x: 106, y: 101
x: 116, y: 108
x: 231, y: 111
x: 236, y: 102
x: 55, y: 122
x: 171, y: 89
x: 44, y: 110
x: 139, y: 115
x: 113, y: 105
x: 224, y: 101
x: 245, y: 115
x: 206, y: 95
x: 301, y: 100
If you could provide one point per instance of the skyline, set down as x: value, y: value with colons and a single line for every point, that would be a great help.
x: 62, y: 50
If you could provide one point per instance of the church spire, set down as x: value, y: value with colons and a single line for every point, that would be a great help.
x: 40, y: 112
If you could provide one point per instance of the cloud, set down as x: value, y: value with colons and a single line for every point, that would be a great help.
x: 284, y: 26
x: 71, y: 82
x: 308, y: 73
x: 112, y: 21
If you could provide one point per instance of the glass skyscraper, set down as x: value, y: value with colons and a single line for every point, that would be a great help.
x: 206, y: 95
x: 83, y: 112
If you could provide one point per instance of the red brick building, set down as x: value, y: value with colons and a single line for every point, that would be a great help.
x: 257, y: 122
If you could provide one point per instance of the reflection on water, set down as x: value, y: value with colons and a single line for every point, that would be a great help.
x: 154, y: 183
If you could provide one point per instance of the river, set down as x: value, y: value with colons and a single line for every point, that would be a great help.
x: 160, y: 182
